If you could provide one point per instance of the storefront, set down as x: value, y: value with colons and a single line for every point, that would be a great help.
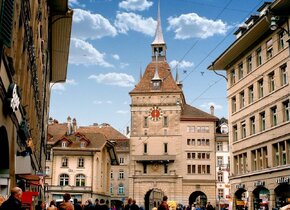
x: 261, y: 196
x: 241, y: 197
x: 282, y: 191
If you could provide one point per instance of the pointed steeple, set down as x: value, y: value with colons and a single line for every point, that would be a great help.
x: 158, y: 33
x: 159, y: 45
x: 177, y: 79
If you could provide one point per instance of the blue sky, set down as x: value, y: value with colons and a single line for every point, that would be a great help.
x: 110, y: 45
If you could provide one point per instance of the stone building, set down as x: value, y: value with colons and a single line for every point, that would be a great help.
x: 172, y: 144
x: 80, y: 160
x: 222, y: 165
x: 257, y: 68
x: 34, y: 45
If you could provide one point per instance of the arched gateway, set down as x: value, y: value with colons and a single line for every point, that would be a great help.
x: 153, y: 198
x: 197, y: 198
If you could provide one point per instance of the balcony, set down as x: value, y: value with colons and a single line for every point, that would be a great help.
x: 68, y: 188
x: 150, y: 159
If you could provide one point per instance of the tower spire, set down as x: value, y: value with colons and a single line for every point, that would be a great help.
x: 158, y: 33
x: 159, y: 45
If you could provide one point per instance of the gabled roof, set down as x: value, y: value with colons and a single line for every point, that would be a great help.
x: 56, y: 131
x: 108, y: 131
x: 168, y: 84
x: 190, y: 113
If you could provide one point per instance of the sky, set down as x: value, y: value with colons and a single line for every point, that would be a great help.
x: 111, y: 44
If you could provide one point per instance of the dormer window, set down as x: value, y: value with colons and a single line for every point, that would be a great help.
x: 83, y: 144
x: 156, y: 85
x: 64, y: 144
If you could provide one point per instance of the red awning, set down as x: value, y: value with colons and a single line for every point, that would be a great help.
x: 29, y: 177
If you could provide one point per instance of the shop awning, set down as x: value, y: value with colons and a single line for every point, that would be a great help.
x: 29, y: 177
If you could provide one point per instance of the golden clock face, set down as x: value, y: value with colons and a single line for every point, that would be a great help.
x: 155, y: 113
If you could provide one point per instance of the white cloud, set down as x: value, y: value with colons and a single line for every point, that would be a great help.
x: 102, y: 102
x: 123, y: 65
x: 139, y: 5
x: 71, y: 82
x: 62, y: 86
x: 122, y: 112
x: 116, y: 56
x: 75, y: 3
x: 181, y: 65
x: 209, y: 104
x: 83, y: 53
x: 191, y: 25
x: 131, y: 21
x: 117, y: 79
x: 91, y: 26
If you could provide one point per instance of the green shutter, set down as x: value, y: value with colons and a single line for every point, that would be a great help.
x: 6, y: 21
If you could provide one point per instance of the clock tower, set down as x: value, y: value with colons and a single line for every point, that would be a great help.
x: 158, y: 138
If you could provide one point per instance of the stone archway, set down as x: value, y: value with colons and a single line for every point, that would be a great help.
x: 261, y: 197
x: 4, y: 163
x: 197, y: 198
x: 241, y: 199
x: 153, y: 198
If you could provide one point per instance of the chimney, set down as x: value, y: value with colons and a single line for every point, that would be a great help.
x: 212, y: 110
x: 69, y: 126
x: 127, y: 130
x: 74, y: 125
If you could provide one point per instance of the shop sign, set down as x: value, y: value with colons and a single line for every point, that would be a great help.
x: 282, y: 180
x: 13, y: 97
x: 240, y: 186
x: 259, y: 183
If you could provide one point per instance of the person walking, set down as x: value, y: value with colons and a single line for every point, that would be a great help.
x: 103, y: 206
x: 97, y: 204
x: 134, y: 206
x: 163, y: 205
x: 128, y: 205
x: 89, y: 205
x: 77, y: 206
x: 14, y: 200
x: 66, y: 204
x: 52, y: 205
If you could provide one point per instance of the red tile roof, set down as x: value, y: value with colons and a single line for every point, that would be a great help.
x: 190, y: 113
x: 168, y: 84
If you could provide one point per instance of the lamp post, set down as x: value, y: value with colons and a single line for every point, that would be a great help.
x: 274, y: 25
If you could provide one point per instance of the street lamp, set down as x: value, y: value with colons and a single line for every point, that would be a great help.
x: 274, y: 24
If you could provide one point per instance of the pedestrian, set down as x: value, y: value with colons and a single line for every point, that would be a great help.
x: 66, y: 204
x: 209, y: 206
x: 103, y: 206
x: 14, y: 200
x: 128, y: 205
x: 163, y: 205
x: 89, y: 205
x: 77, y: 206
x: 52, y: 205
x: 39, y: 206
x: 97, y: 204
x: 134, y: 206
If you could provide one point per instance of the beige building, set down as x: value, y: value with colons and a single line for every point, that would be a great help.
x: 31, y: 57
x: 257, y: 68
x: 172, y: 144
x: 82, y: 161
x: 222, y: 165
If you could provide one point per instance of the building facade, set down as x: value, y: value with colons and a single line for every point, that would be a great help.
x: 172, y: 144
x: 30, y: 33
x: 222, y: 165
x: 257, y: 68
x: 80, y: 160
